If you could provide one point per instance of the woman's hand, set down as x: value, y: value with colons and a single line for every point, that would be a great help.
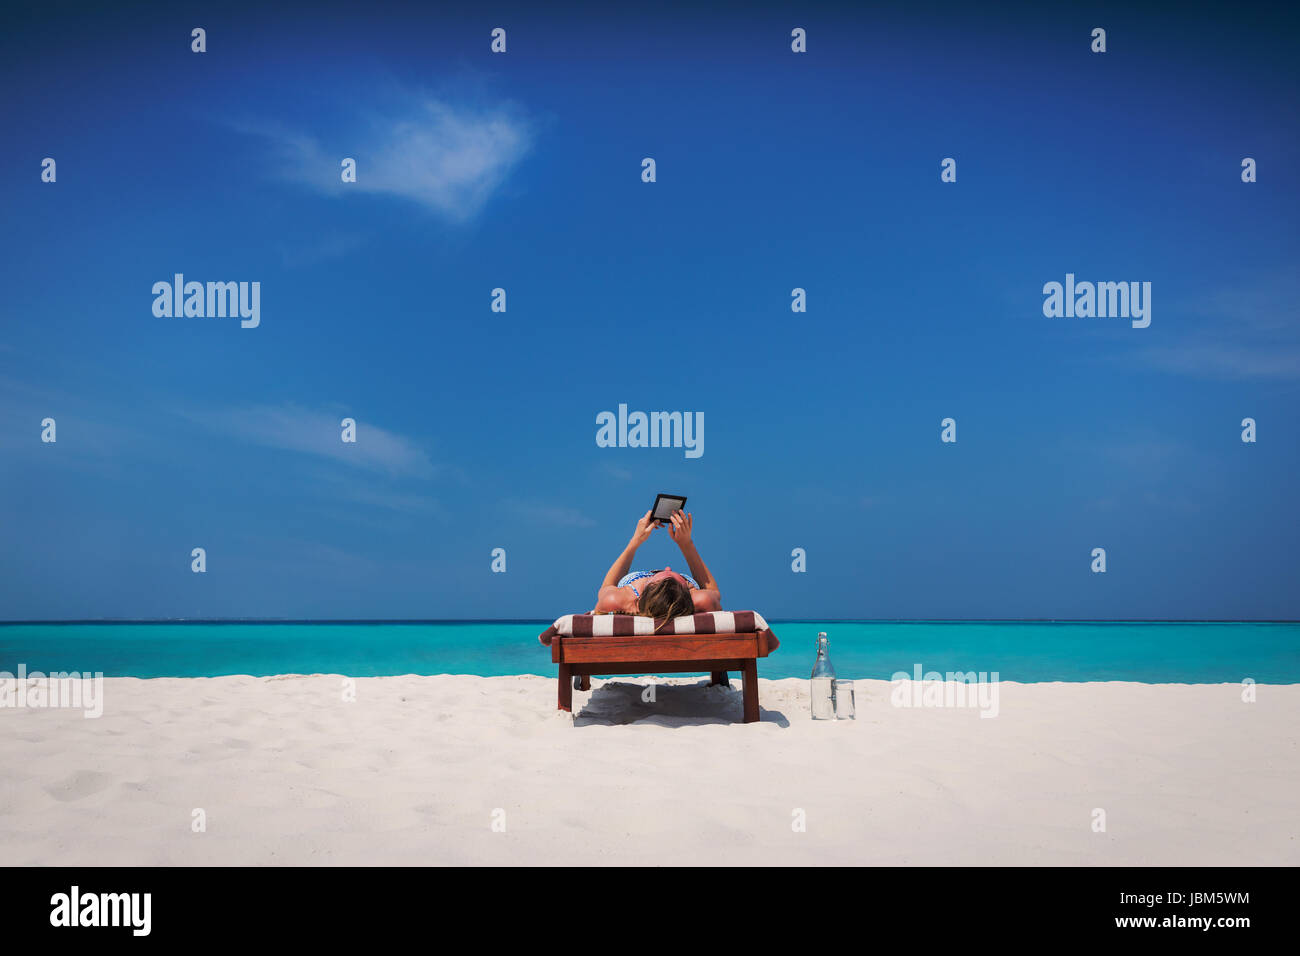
x: 682, y: 524
x: 644, y: 528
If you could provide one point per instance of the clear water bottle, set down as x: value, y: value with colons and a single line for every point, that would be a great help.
x: 823, y: 682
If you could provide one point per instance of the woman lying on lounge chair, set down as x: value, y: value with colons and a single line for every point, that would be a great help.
x: 658, y: 594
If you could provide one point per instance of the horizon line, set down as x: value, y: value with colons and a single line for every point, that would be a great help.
x: 547, y: 620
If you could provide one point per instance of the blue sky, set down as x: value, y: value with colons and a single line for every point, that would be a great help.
x: 522, y: 171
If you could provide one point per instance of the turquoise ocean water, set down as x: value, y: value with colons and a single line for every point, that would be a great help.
x: 1017, y: 650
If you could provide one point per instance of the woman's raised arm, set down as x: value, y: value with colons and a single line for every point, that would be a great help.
x: 709, y: 596
x: 623, y: 563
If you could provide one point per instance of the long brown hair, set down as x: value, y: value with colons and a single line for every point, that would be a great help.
x: 664, y: 599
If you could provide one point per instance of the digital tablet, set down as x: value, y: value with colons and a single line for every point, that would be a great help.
x: 665, y: 505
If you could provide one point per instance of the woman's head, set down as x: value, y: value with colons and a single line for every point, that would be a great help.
x: 666, y: 596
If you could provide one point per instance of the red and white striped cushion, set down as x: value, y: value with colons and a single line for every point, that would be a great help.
x: 628, y: 625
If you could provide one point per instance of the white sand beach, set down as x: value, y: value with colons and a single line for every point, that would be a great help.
x: 416, y: 770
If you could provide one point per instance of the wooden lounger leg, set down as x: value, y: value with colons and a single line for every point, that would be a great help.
x: 566, y: 687
x: 750, y: 677
x: 584, y: 682
x: 719, y: 677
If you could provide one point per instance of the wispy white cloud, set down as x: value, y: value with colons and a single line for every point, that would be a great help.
x: 615, y: 471
x: 555, y: 515
x: 1141, y: 464
x: 1225, y: 360
x: 1261, y: 302
x: 317, y: 249
x: 448, y: 159
x: 91, y: 437
x: 1246, y: 329
x: 364, y: 490
x: 1146, y: 454
x: 313, y: 432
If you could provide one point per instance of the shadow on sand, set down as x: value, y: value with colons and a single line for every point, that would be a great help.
x: 673, y: 705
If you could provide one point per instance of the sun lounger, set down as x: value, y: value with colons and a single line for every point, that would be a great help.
x: 714, y: 642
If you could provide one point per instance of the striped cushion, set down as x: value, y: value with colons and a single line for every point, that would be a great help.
x: 628, y: 625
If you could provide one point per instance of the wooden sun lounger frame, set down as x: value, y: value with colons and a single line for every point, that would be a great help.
x: 663, y: 654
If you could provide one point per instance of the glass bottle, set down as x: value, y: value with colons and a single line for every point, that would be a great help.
x: 823, y: 682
